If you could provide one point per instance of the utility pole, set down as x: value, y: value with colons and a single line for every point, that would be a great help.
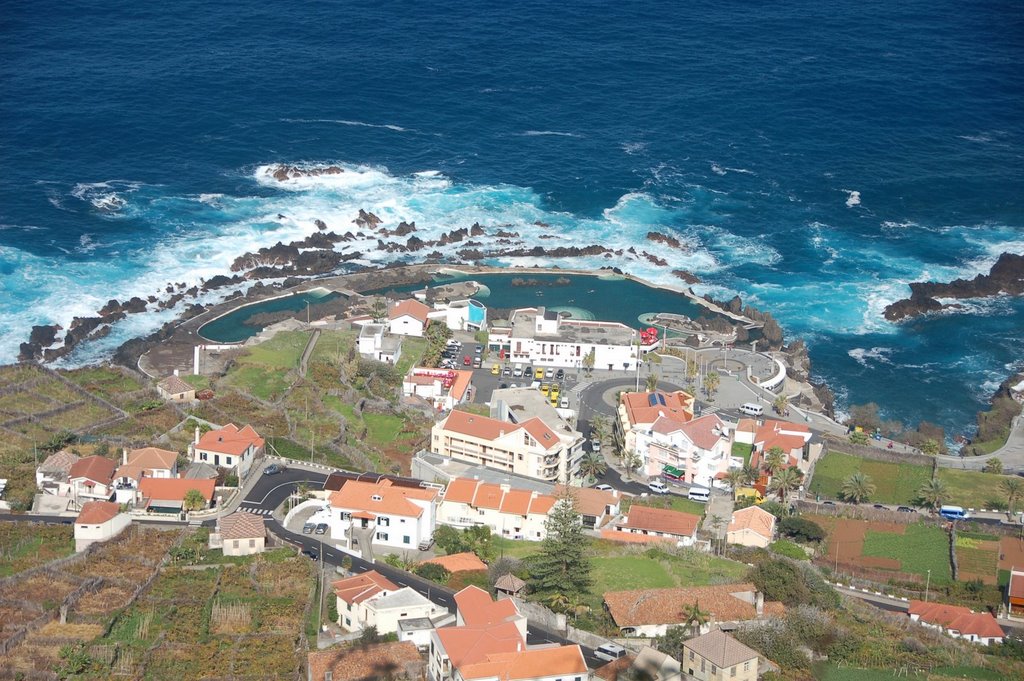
x: 927, y: 583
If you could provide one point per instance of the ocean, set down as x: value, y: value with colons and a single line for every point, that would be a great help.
x: 812, y: 157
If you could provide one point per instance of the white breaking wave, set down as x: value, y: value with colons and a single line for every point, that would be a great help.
x: 344, y: 121
x: 549, y: 133
x: 879, y: 354
x: 852, y: 198
x: 632, y: 148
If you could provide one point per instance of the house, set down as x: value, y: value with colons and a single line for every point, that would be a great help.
x: 353, y: 592
x: 698, y: 451
x: 531, y: 447
x: 382, y: 513
x: 442, y: 388
x: 751, y: 526
x: 397, y: 660
x: 52, y: 475
x: 650, y: 612
x: 466, y: 561
x: 174, y: 389
x: 139, y: 463
x: 167, y: 495
x: 957, y: 621
x: 595, y: 506
x: 488, y: 643
x: 99, y: 521
x: 510, y: 512
x: 660, y: 523
x: 1015, y: 593
x: 375, y: 343
x: 229, y: 447
x: 92, y: 478
x: 794, y: 439
x: 371, y: 600
x: 408, y: 318
x: 460, y: 315
x: 717, y: 656
x: 543, y: 337
x: 240, y: 534
x: 417, y: 630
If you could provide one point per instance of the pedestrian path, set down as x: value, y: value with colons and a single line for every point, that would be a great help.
x: 254, y: 509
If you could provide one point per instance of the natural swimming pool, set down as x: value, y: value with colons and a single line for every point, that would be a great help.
x: 234, y: 327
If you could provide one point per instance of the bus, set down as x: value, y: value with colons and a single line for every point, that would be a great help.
x: 953, y: 513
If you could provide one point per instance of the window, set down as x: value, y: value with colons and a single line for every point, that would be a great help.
x: 691, y: 655
x: 732, y: 672
x: 345, y: 515
x: 406, y: 539
x: 382, y: 536
x: 377, y: 497
x: 520, y: 457
x: 702, y: 662
x: 746, y: 666
x: 385, y: 522
x: 234, y: 543
x: 714, y: 670
x: 252, y: 543
x: 348, y: 606
x: 202, y: 456
x: 227, y: 460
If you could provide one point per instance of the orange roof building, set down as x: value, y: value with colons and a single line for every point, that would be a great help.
x: 99, y: 521
x: 459, y: 562
x: 228, y: 447
x: 1015, y: 592
x: 365, y: 663
x: 362, y: 587
x: 957, y: 621
x: 442, y: 388
x: 167, y: 495
x: 96, y: 512
x: 531, y: 448
x: 510, y: 512
x: 92, y: 477
x: 650, y: 612
x: 475, y: 607
x: 383, y: 512
x: 594, y: 505
x: 408, y: 318
x: 660, y: 523
x: 751, y: 526
x: 147, y: 462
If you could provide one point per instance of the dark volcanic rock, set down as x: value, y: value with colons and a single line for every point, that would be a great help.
x: 660, y: 262
x: 415, y: 243
x: 219, y: 281
x: 453, y: 236
x: 404, y: 228
x: 506, y: 235
x: 286, y: 172
x: 1005, y: 277
x: 477, y: 230
x: 669, y: 241
x: 688, y: 277
x: 320, y: 224
x: 41, y: 337
x: 367, y: 220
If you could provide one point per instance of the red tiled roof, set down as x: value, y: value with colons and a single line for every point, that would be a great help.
x: 517, y: 501
x: 152, y: 458
x: 174, y: 385
x: 1016, y: 587
x: 540, y: 432
x: 630, y: 538
x: 478, y: 609
x: 661, y: 520
x: 782, y: 434
x: 174, y: 489
x: 97, y: 512
x: 363, y: 586
x: 242, y: 525
x: 957, y: 618
x: 753, y: 518
x: 473, y: 643
x: 459, y: 562
x: 230, y: 440
x: 486, y: 428
x: 381, y: 497
x: 665, y: 606
x: 364, y: 663
x: 528, y: 664
x: 541, y: 504
x: 61, y: 462
x: 488, y: 495
x: 678, y: 407
x: 461, y: 490
x: 413, y: 308
x: 514, y: 501
x: 96, y: 468
x: 590, y: 501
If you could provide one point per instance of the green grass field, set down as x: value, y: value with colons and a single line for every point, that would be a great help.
x: 833, y: 673
x: 920, y: 549
x: 264, y: 370
x: 670, y: 501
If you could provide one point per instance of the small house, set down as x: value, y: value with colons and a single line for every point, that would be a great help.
x: 173, y: 389
x: 717, y: 656
x: 751, y: 526
x: 240, y: 534
x: 99, y: 521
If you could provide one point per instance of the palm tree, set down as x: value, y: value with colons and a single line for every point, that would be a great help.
x: 598, y: 427
x: 785, y: 481
x: 780, y: 403
x: 735, y: 477
x: 750, y: 474
x: 651, y: 382
x: 631, y: 461
x: 558, y: 601
x: 694, y: 617
x: 711, y: 383
x: 933, y: 493
x: 773, y: 460
x: 592, y: 465
x: 1013, y: 488
x: 857, y: 488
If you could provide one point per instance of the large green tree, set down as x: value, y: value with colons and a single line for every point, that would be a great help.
x: 562, y: 564
x: 773, y: 460
x: 1013, y: 489
x: 857, y: 488
x: 785, y: 481
x: 694, y: 618
x: 933, y: 493
x: 592, y: 465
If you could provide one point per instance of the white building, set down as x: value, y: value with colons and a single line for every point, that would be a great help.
x: 531, y: 448
x: 408, y: 318
x: 229, y: 447
x: 371, y: 600
x: 375, y: 343
x: 794, y: 439
x: 544, y: 338
x: 510, y: 513
x: 52, y: 475
x: 651, y: 612
x: 92, y: 479
x: 99, y: 521
x: 148, y: 462
x: 957, y: 621
x: 460, y: 315
x: 751, y: 526
x: 442, y: 388
x: 382, y: 513
x: 240, y: 534
x: 638, y: 411
x: 697, y: 452
x: 353, y: 593
x: 174, y: 389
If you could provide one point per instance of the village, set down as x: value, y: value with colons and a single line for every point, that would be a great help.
x: 419, y: 488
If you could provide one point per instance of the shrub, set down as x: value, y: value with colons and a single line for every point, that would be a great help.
x: 801, y: 529
x: 775, y: 641
x: 786, y: 548
x: 781, y: 579
x: 433, y: 572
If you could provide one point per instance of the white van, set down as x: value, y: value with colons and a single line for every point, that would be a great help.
x: 609, y: 652
x: 752, y: 409
x: 700, y: 494
x: 658, y: 487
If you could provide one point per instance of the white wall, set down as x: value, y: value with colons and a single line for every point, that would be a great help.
x: 243, y: 547
x: 89, y: 534
x: 406, y: 326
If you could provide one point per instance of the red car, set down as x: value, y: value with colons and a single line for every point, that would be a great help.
x: 466, y: 361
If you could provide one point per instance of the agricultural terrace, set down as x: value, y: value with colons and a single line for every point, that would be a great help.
x: 95, y: 585
x: 673, y: 502
x: 26, y: 545
x: 320, y: 415
x: 879, y: 550
x: 899, y: 483
x: 977, y: 556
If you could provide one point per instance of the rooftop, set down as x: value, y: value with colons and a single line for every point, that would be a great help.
x: 521, y: 405
x: 59, y: 462
x: 152, y: 458
x: 473, y: 643
x: 382, y: 497
x: 459, y: 562
x: 498, y: 496
x: 644, y: 408
x: 725, y: 602
x: 721, y: 649
x: 456, y: 469
x: 528, y: 664
x: 95, y: 468
x: 406, y: 597
x: 241, y: 525
x: 590, y: 501
x: 366, y: 585
x: 660, y: 520
x: 957, y: 618
x: 477, y: 608
x: 524, y: 325
x: 97, y: 512
x: 487, y: 428
x: 174, y: 385
x: 410, y: 307
x: 364, y: 663
x: 230, y: 440
x: 753, y: 518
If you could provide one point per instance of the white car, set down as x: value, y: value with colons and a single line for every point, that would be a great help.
x: 604, y: 488
x: 595, y: 445
x: 658, y: 487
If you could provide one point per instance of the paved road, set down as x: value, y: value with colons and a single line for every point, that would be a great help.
x: 271, y: 491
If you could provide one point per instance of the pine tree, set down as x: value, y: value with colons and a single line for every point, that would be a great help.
x: 562, y: 565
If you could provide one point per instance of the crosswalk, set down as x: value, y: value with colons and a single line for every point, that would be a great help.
x: 253, y: 509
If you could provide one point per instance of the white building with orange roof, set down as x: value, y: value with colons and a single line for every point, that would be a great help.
x: 509, y: 512
x: 638, y: 411
x: 408, y: 318
x: 751, y: 526
x: 99, y: 521
x: 794, y: 439
x: 957, y: 621
x: 530, y: 448
x: 442, y: 388
x: 384, y: 513
x: 228, y: 447
x: 546, y: 338
x: 148, y: 462
x: 698, y: 451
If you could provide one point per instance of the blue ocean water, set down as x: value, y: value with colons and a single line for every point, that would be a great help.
x: 814, y: 157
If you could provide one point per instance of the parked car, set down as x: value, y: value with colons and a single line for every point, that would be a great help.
x: 658, y: 487
x: 595, y: 445
x: 564, y: 403
x: 466, y: 361
x: 477, y: 363
x: 274, y: 469
x: 905, y: 509
x: 538, y: 373
x: 560, y: 374
x: 880, y: 507
x: 604, y: 488
x: 550, y: 373
x: 321, y: 528
x: 502, y: 386
x: 545, y: 388
x: 308, y: 528
x: 312, y: 553
x: 507, y: 371
x: 495, y: 369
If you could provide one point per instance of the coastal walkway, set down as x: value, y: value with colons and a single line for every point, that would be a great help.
x: 1011, y: 454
